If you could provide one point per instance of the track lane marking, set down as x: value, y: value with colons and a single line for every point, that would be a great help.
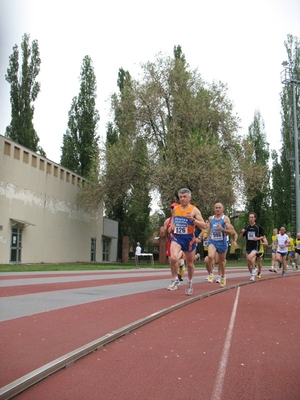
x: 218, y: 386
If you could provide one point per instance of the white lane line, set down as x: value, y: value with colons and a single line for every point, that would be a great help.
x: 218, y: 387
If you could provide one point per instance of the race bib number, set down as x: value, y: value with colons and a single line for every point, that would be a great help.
x: 251, y: 235
x: 205, y: 243
x: 181, y: 230
x: 216, y: 235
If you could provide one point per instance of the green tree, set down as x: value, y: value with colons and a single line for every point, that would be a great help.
x: 281, y: 191
x: 258, y: 189
x: 127, y: 169
x: 292, y: 45
x: 191, y: 130
x: 24, y: 91
x: 80, y: 149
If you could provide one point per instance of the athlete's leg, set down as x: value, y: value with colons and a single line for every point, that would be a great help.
x: 189, y: 258
x: 211, y: 258
x: 174, y: 258
x: 251, y: 260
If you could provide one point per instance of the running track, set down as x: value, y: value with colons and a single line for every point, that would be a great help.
x: 241, y: 343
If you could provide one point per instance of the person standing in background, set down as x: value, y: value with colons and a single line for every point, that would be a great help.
x: 138, y: 251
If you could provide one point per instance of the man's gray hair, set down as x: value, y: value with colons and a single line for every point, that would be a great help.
x: 184, y: 190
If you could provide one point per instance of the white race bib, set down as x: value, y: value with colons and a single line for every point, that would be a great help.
x: 217, y: 235
x: 181, y: 230
x: 251, y: 235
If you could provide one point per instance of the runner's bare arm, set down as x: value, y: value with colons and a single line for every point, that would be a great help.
x: 163, y: 229
x: 197, y: 218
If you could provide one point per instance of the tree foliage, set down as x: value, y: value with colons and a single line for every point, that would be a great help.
x: 126, y: 176
x: 170, y: 130
x: 80, y: 148
x: 257, y: 175
x: 24, y: 91
x: 283, y: 169
x: 191, y: 132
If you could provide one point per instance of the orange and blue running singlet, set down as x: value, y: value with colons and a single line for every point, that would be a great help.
x: 183, y: 229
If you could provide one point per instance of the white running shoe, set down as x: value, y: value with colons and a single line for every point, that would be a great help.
x: 210, y: 278
x: 252, y: 278
x: 189, y: 289
x: 218, y: 280
x: 173, y: 285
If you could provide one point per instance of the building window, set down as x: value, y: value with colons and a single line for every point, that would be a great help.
x: 42, y: 165
x: 17, y: 153
x: 93, y: 249
x: 7, y: 147
x: 106, y: 249
x: 33, y: 161
x: 49, y: 168
x: 25, y: 157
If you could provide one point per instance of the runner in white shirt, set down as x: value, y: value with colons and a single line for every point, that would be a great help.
x: 282, y: 244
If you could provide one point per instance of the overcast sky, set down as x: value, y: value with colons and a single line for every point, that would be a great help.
x: 237, y: 42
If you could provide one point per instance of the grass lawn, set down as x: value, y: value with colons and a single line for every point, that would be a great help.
x: 100, y: 266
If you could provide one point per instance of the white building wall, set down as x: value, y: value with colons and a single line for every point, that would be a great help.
x: 44, y: 194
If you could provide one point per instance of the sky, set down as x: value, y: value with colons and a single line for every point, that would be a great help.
x: 239, y: 43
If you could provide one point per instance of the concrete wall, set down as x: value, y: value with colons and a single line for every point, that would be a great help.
x: 41, y: 197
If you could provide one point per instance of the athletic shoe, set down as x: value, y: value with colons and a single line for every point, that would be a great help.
x: 189, y: 289
x: 283, y: 273
x: 180, y: 278
x: 275, y: 270
x: 218, y: 280
x: 254, y: 271
x: 259, y: 274
x: 252, y: 278
x: 223, y: 282
x: 173, y: 285
x: 271, y: 270
x: 210, y: 278
x: 197, y: 257
x: 293, y: 266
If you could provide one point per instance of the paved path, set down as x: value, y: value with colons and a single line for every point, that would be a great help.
x: 241, y: 343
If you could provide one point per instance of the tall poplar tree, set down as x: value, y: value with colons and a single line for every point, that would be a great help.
x: 80, y: 149
x: 257, y: 180
x: 283, y: 171
x: 127, y: 171
x: 24, y: 91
